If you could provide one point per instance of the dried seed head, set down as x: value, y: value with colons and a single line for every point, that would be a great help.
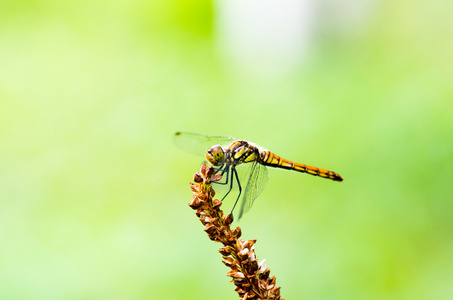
x: 243, y: 254
x: 204, y: 220
x: 194, y: 187
x: 228, y: 220
x: 276, y: 291
x: 195, y: 203
x: 254, y: 266
x: 252, y: 256
x: 216, y: 177
x: 204, y: 170
x: 236, y: 275
x: 262, y: 265
x: 210, y: 229
x: 210, y: 172
x: 265, y: 274
x: 213, y: 237
x: 197, y: 178
x: 249, y: 244
x: 250, y: 278
x: 213, y: 220
x: 237, y: 232
x: 216, y: 203
x: 225, y: 250
x: 229, y: 261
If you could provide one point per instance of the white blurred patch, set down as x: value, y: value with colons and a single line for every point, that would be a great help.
x: 262, y: 36
x: 267, y: 38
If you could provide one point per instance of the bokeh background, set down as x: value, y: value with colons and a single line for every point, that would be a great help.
x: 93, y: 192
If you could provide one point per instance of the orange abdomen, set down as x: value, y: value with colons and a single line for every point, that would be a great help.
x: 270, y: 159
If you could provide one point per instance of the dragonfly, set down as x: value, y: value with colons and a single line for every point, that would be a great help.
x: 228, y: 155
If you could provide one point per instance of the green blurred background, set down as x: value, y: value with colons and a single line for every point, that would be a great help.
x: 93, y: 192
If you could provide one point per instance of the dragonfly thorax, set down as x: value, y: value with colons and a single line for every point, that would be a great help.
x: 216, y: 155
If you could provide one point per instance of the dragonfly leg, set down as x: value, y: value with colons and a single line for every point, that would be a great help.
x: 239, y: 185
x: 231, y: 182
x: 226, y: 170
x: 221, y: 168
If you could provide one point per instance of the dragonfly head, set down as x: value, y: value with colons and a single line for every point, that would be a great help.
x: 215, y: 155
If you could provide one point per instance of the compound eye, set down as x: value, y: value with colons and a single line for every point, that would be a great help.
x: 215, y: 155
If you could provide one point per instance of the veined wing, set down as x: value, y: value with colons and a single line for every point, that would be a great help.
x: 200, y: 143
x: 256, y: 181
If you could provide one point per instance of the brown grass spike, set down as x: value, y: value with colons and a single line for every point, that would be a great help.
x: 250, y: 277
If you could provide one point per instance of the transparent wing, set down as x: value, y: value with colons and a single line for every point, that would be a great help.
x: 200, y: 143
x: 256, y: 181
